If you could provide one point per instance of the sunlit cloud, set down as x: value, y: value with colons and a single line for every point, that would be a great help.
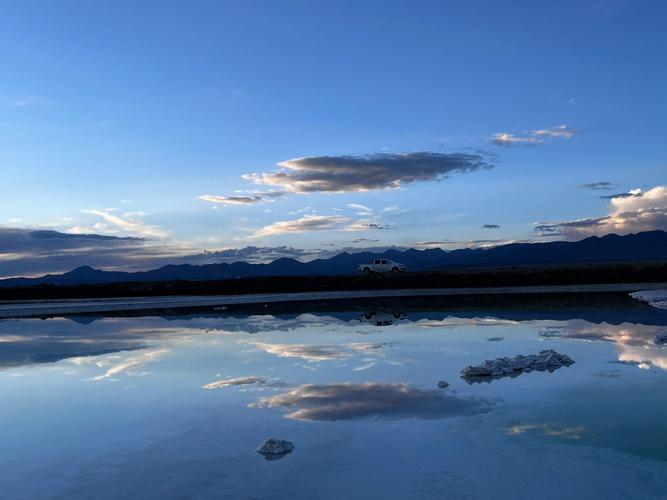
x: 312, y: 222
x: 127, y: 223
x: 635, y: 212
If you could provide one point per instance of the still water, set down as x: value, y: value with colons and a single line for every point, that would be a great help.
x: 175, y: 407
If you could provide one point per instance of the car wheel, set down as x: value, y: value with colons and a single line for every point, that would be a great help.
x: 394, y: 269
x: 367, y: 270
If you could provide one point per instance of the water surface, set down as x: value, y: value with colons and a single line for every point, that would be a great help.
x: 175, y: 407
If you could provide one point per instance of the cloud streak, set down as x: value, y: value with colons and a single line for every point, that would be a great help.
x: 532, y: 137
x: 312, y: 222
x: 127, y: 223
x: 249, y: 199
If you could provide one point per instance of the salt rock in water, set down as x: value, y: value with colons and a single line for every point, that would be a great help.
x: 275, y: 448
x: 500, y: 367
x: 661, y: 338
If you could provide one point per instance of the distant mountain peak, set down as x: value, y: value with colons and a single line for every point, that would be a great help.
x: 645, y: 246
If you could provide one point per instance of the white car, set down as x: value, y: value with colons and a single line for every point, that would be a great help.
x: 381, y: 266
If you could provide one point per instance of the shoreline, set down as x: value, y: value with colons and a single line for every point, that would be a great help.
x: 47, y: 307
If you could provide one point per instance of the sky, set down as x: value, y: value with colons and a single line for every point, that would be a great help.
x: 134, y: 134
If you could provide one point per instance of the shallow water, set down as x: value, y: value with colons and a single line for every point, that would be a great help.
x: 175, y: 408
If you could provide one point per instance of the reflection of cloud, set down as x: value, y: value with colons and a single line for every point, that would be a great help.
x: 451, y: 322
x: 572, y: 432
x: 389, y: 401
x: 133, y: 363
x: 315, y: 353
x: 635, y: 343
x: 253, y: 380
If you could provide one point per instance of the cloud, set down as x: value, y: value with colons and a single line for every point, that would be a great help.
x: 363, y: 210
x: 312, y: 222
x: 490, y: 226
x: 31, y: 252
x: 250, y: 199
x: 636, y: 212
x: 532, y: 137
x: 634, y: 193
x: 338, y: 174
x: 599, y: 186
x: 127, y: 223
x: 354, y: 401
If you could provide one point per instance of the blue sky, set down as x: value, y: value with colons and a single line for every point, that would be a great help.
x: 116, y: 118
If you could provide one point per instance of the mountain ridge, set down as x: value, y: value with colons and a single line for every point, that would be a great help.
x: 643, y: 246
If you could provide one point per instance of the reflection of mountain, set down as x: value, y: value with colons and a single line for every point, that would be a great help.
x: 349, y: 401
x: 633, y: 330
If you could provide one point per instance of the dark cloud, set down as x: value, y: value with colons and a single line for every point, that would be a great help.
x: 21, y: 240
x: 598, y: 186
x: 632, y: 194
x: 557, y: 228
x: 490, y: 226
x: 368, y: 172
x: 387, y: 401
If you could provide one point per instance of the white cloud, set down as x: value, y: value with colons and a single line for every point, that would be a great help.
x: 532, y: 137
x: 127, y: 223
x: 630, y: 212
x: 312, y: 222
x: 245, y: 199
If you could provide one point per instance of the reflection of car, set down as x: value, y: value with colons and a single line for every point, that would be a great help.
x: 382, y: 318
x: 381, y: 266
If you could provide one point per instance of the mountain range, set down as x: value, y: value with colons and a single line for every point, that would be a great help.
x: 644, y: 246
